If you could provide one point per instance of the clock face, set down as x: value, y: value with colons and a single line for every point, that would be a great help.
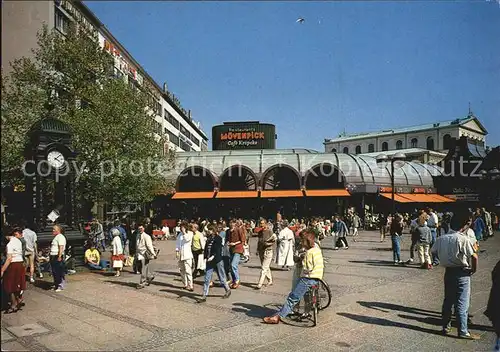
x: 55, y: 159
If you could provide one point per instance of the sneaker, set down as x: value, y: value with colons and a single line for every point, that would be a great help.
x: 140, y: 286
x: 32, y: 280
x: 71, y: 272
x: 346, y: 247
x: 40, y: 276
x: 446, y: 331
x: 409, y: 261
x: 202, y: 299
x: 336, y: 249
x: 227, y: 294
x: 59, y: 289
x: 469, y: 336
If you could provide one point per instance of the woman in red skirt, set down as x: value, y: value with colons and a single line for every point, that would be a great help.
x: 13, y: 271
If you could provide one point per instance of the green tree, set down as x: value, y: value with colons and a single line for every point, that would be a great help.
x: 112, y: 126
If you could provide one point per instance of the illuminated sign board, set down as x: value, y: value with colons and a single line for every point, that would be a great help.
x: 243, y: 136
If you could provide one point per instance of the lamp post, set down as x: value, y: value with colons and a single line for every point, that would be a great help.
x: 397, y: 161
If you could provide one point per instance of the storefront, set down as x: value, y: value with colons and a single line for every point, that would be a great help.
x: 296, y: 182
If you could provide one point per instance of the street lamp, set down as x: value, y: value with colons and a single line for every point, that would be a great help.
x: 397, y: 161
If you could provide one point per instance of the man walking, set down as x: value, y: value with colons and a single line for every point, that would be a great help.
x: 31, y: 250
x: 265, y: 251
x: 457, y: 255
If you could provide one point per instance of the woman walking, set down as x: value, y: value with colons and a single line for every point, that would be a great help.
x: 396, y: 231
x: 213, y: 255
x: 13, y: 270
x: 184, y: 255
x: 117, y: 257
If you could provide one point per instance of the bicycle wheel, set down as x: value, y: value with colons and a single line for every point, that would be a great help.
x: 325, y: 295
x: 315, y: 305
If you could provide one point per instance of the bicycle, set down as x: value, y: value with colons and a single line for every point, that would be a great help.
x: 318, y: 297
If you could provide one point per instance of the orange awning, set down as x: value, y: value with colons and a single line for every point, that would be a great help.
x: 281, y: 194
x: 193, y: 195
x: 237, y: 194
x: 442, y: 199
x: 420, y: 198
x: 327, y: 193
x: 397, y: 198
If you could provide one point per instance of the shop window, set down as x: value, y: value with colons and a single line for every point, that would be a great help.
x: 430, y: 143
x: 346, y: 150
x: 446, y: 141
x: 399, y: 144
x: 371, y: 148
x: 414, y: 143
x: 385, y: 146
x: 358, y: 149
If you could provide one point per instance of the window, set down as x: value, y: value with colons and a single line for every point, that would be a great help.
x: 414, y: 143
x: 173, y: 138
x: 186, y: 147
x: 358, y: 149
x: 430, y: 143
x: 61, y: 21
x: 334, y: 150
x: 399, y: 144
x: 185, y: 132
x: 371, y: 148
x: 385, y: 146
x: 195, y: 140
x: 168, y: 116
x: 446, y: 141
x: 345, y: 150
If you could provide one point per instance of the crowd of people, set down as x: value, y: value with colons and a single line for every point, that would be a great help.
x: 204, y: 247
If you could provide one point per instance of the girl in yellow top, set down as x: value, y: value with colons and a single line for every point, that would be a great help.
x: 312, y: 271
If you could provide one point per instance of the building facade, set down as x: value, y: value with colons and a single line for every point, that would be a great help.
x: 21, y: 20
x: 426, y: 143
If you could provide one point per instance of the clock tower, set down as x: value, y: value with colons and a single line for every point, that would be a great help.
x: 49, y: 171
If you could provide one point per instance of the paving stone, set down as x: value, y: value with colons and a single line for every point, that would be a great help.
x: 27, y: 330
x: 13, y: 346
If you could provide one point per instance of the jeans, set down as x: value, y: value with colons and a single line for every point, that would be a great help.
x: 57, y: 271
x: 235, y: 261
x: 396, y: 248
x: 435, y: 259
x: 302, y: 287
x: 413, y: 245
x: 103, y: 264
x: 227, y: 265
x: 208, y: 276
x: 456, y: 293
x: 479, y: 235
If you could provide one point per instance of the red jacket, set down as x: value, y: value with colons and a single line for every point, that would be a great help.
x: 238, y: 234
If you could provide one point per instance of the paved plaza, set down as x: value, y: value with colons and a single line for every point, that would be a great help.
x: 376, y: 307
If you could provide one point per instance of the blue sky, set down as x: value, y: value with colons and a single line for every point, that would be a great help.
x: 353, y: 66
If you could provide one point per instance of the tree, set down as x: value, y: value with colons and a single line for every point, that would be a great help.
x: 112, y: 126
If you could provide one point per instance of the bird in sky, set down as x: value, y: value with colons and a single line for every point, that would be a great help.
x: 300, y: 20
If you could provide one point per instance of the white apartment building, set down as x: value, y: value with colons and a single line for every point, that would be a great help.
x: 21, y: 20
x: 427, y: 142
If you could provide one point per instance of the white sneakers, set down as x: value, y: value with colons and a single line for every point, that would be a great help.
x: 32, y: 280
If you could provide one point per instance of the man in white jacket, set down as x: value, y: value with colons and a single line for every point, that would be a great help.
x: 184, y: 255
x: 145, y: 251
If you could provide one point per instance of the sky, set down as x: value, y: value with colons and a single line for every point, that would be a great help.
x: 351, y: 66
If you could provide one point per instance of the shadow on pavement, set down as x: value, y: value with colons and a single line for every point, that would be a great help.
x: 386, y: 322
x: 174, y: 273
x: 181, y: 293
x: 438, y: 322
x: 44, y: 285
x: 253, y: 310
x: 123, y: 283
x: 386, y: 307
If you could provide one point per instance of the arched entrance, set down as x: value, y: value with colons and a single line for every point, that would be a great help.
x: 324, y: 176
x: 280, y: 177
x: 238, y: 178
x: 195, y: 179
